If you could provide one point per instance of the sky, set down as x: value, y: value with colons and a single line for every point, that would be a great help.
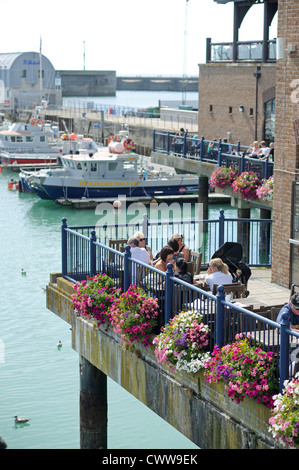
x: 132, y: 37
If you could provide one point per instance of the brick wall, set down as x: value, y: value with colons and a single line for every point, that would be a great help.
x: 231, y: 85
x: 286, y: 150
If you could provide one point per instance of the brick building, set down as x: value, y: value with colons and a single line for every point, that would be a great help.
x: 227, y: 101
x: 237, y: 104
x: 285, y: 262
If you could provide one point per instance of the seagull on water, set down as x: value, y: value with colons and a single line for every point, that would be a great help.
x: 20, y: 420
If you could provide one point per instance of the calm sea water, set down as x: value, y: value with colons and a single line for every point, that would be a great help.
x: 134, y: 99
x: 37, y: 380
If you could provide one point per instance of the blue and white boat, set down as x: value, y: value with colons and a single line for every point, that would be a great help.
x: 108, y: 173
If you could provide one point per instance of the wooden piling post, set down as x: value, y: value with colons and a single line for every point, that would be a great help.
x: 93, y: 407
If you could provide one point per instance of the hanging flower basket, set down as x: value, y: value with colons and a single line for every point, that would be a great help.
x: 265, y: 191
x: 222, y: 177
x: 93, y: 298
x: 134, y: 315
x: 284, y: 424
x: 183, y: 342
x: 246, y: 370
x: 246, y: 185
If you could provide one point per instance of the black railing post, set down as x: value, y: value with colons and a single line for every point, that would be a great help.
x: 202, y: 148
x: 154, y: 140
x: 266, y: 168
x: 127, y: 277
x: 63, y: 247
x: 168, y: 312
x: 219, y: 152
x: 92, y: 254
x: 168, y: 143
x: 145, y: 226
x: 184, y: 145
x: 284, y: 353
x: 220, y: 296
x: 221, y: 228
x: 242, y: 162
x: 208, y: 50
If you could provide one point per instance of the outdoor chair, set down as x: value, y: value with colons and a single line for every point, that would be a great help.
x: 195, y: 258
x: 236, y: 288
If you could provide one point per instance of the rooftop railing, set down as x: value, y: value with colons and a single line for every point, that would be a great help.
x: 218, y: 152
x: 83, y: 255
x: 247, y: 51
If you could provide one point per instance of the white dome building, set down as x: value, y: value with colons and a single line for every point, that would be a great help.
x: 27, y: 78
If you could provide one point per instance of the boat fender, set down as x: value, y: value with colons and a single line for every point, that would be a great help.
x: 128, y: 144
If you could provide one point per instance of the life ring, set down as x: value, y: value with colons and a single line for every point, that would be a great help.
x: 33, y: 122
x: 113, y: 138
x: 39, y: 121
x: 129, y: 144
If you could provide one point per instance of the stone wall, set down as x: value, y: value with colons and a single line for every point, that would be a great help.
x: 200, y: 411
x: 88, y: 82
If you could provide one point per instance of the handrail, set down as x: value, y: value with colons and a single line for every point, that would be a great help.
x: 220, y: 153
x: 211, y: 306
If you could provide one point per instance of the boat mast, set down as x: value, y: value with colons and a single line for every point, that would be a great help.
x: 40, y: 71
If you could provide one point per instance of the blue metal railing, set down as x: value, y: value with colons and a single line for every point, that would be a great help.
x: 224, y: 319
x: 84, y: 256
x: 218, y: 152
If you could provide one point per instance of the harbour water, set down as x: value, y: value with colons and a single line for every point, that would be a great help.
x: 38, y: 380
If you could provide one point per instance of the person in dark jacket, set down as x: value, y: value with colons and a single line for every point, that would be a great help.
x: 290, y: 312
x: 181, y: 270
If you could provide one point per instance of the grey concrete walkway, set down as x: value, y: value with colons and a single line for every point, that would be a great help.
x: 261, y: 287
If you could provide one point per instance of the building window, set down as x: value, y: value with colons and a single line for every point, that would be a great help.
x: 211, y: 108
x: 230, y: 110
x: 269, y: 107
x: 251, y: 112
x: 42, y: 74
x: 23, y: 73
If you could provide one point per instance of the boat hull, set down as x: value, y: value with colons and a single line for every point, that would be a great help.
x: 27, y: 159
x: 94, y: 192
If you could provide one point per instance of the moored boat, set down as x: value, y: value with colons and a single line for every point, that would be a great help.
x: 36, y: 143
x: 108, y: 173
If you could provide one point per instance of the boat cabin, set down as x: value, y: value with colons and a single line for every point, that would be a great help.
x: 113, y: 166
x: 25, y: 134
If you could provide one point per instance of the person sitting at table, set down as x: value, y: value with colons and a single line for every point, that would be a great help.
x: 166, y: 256
x: 141, y: 238
x: 180, y: 270
x: 183, y: 249
x: 174, y: 244
x: 141, y: 254
x: 264, y: 151
x: 218, y: 273
x: 254, y: 151
x: 290, y: 311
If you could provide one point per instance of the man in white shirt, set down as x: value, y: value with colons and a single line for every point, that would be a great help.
x: 264, y: 151
x: 140, y: 254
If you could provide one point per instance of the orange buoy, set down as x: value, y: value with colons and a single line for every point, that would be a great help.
x: 128, y: 144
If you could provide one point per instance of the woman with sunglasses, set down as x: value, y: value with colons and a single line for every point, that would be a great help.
x: 183, y: 249
x: 141, y: 238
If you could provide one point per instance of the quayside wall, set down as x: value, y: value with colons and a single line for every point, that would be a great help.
x: 200, y: 411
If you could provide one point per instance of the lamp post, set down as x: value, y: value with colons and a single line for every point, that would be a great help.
x: 185, y: 55
x: 257, y: 74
